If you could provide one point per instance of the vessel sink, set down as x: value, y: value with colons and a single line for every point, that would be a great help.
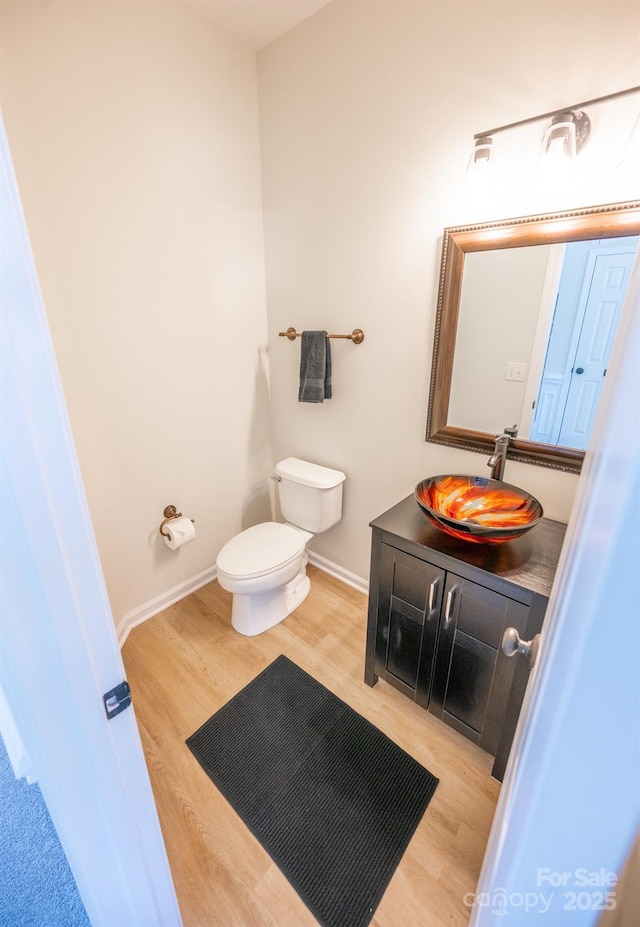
x: 477, y: 509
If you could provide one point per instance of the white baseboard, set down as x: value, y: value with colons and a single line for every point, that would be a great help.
x: 135, y: 617
x: 151, y: 608
x: 345, y: 576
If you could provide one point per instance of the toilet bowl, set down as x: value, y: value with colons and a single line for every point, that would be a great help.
x: 264, y: 567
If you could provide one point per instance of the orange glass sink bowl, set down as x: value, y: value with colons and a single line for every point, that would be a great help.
x: 476, y: 509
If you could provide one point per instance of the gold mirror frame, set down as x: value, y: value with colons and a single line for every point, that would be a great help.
x: 608, y: 221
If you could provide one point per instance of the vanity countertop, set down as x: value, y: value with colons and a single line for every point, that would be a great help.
x: 528, y: 562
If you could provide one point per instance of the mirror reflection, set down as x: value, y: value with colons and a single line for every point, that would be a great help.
x: 527, y: 316
x: 546, y: 317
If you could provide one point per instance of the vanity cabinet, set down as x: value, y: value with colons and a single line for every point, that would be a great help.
x: 438, y: 608
x: 410, y: 593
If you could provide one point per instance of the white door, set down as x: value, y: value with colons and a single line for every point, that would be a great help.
x: 609, y: 279
x: 58, y: 647
x: 569, y: 809
x: 591, y: 291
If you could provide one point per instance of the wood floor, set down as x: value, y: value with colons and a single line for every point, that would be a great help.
x: 186, y: 662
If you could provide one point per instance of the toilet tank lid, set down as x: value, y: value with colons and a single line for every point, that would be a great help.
x: 309, y: 474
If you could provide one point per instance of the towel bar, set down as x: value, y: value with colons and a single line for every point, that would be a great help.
x: 357, y: 335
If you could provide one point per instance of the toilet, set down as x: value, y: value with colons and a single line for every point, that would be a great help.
x: 265, y: 566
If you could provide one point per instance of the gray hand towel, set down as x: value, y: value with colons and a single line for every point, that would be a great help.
x: 315, y: 367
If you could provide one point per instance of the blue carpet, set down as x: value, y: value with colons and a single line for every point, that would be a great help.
x: 37, y: 888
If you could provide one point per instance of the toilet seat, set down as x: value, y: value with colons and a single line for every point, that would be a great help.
x: 260, y: 550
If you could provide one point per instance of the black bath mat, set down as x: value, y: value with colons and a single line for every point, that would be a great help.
x: 331, y: 799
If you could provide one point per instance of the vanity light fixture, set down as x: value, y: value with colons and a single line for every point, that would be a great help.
x: 630, y: 161
x: 482, y: 149
x: 563, y: 140
x: 566, y: 136
x: 479, y: 176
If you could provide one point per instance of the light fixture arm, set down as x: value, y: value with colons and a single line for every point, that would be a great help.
x: 556, y: 112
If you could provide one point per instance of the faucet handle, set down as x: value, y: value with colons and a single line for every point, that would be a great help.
x: 512, y: 432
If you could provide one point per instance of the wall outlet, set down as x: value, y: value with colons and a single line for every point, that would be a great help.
x: 516, y: 370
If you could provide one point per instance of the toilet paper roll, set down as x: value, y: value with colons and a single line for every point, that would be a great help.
x: 180, y: 530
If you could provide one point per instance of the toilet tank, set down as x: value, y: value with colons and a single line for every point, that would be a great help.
x: 310, y: 495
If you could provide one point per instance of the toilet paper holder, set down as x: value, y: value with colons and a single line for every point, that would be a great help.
x: 170, y: 513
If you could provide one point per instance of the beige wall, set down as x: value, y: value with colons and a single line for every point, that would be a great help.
x: 500, y: 303
x: 134, y: 133
x: 368, y: 111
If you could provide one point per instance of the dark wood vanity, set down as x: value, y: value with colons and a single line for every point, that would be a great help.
x: 438, y: 608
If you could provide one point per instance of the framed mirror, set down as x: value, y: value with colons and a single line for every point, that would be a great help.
x: 526, y: 318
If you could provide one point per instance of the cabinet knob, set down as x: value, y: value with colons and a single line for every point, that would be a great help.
x: 512, y: 643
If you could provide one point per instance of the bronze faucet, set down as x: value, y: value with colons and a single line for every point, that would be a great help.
x: 498, y: 459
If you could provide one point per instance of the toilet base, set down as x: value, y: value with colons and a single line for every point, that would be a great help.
x: 253, y: 614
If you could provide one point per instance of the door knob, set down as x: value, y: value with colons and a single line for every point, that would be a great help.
x: 512, y: 643
x: 579, y: 369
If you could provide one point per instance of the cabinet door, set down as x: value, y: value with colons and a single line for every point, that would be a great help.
x: 409, y: 605
x: 472, y: 676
